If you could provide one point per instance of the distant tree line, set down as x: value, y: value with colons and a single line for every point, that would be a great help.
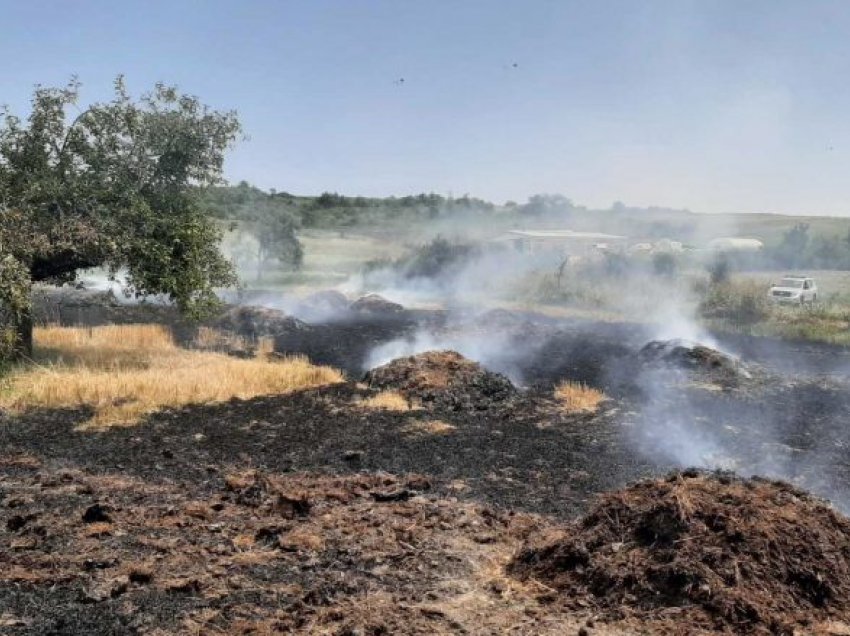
x: 330, y: 210
x: 276, y: 217
x: 799, y: 249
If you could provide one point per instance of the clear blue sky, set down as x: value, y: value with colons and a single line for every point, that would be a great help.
x: 713, y: 105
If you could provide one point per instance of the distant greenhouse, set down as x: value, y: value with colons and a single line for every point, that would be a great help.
x: 563, y: 241
x: 734, y: 244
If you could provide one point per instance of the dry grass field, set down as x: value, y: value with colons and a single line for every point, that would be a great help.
x: 124, y: 372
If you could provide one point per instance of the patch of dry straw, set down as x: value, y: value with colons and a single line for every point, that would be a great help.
x: 387, y: 400
x: 124, y: 372
x: 578, y: 397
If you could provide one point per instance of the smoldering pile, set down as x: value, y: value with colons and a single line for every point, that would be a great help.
x: 712, y: 550
x: 330, y: 306
x: 445, y: 379
x: 257, y: 322
x: 375, y: 305
x: 698, y: 360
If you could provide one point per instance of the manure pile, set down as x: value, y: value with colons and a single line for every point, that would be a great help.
x: 443, y: 378
x: 708, y: 550
x: 375, y: 305
x: 248, y: 320
x: 695, y: 358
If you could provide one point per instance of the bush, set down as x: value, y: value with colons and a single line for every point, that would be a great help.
x: 376, y: 265
x: 719, y: 269
x: 437, y: 258
x: 664, y: 264
x: 739, y: 303
x: 616, y: 265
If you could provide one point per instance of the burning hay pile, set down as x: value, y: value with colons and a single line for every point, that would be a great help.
x: 375, y: 305
x: 718, y: 552
x: 443, y: 378
x: 255, y: 322
x: 694, y: 358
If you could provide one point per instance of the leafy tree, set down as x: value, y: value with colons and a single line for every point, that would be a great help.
x: 616, y: 265
x: 546, y: 205
x: 438, y: 257
x: 791, y: 251
x: 271, y: 218
x: 114, y: 186
x: 664, y: 264
x: 827, y: 252
x: 275, y: 232
x: 719, y: 269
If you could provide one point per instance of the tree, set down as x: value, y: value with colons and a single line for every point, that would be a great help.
x: 115, y: 187
x: 719, y: 269
x: 791, y: 251
x: 664, y: 264
x: 271, y: 218
x: 275, y: 231
x: 547, y: 205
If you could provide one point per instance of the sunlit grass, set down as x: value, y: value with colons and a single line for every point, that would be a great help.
x: 578, y: 397
x: 214, y: 340
x: 128, y: 371
x: 387, y: 400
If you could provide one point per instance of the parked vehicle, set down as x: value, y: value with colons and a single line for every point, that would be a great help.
x: 798, y: 290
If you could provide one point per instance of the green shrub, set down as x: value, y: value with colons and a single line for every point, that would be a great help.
x: 719, y: 270
x: 437, y: 258
x: 664, y: 264
x: 739, y: 303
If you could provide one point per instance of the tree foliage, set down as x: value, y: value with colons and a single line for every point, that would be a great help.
x: 271, y: 218
x: 114, y: 185
x: 438, y: 257
x: 791, y: 252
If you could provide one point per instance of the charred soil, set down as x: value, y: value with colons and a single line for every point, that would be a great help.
x: 312, y: 513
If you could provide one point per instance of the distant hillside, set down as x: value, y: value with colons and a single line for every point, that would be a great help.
x: 428, y: 214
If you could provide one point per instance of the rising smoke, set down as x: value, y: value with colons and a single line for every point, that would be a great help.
x: 679, y: 419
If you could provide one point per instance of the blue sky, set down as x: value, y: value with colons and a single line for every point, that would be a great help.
x: 715, y: 106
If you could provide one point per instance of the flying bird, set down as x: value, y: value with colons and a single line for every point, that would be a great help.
x: 399, y: 81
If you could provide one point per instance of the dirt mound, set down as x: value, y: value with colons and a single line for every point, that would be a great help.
x: 696, y: 358
x: 711, y: 550
x: 375, y: 304
x: 443, y: 378
x: 257, y: 322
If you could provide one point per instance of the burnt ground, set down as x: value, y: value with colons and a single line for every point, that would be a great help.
x: 368, y: 550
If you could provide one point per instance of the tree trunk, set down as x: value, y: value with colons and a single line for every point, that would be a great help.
x: 24, y: 329
x: 260, y: 260
x: 560, y: 273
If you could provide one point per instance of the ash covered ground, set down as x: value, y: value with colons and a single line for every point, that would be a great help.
x: 311, y: 513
